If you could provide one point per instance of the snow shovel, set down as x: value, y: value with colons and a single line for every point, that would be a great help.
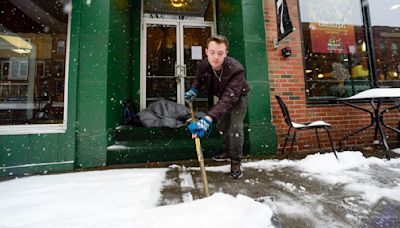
x: 200, y: 155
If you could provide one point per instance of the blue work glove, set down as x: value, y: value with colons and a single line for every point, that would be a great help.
x: 190, y: 94
x: 200, y: 127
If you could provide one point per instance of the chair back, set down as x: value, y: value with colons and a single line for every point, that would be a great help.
x: 285, y: 111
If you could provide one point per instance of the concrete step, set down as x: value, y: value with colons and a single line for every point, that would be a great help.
x: 145, y: 145
x: 130, y: 133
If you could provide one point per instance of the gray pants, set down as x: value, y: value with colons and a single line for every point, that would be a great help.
x: 231, y: 129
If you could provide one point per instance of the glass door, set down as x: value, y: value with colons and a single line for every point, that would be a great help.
x: 161, y: 57
x: 172, y: 52
x: 193, y: 51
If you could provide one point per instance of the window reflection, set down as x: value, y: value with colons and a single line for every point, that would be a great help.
x: 395, y: 50
x: 386, y: 37
x: 60, y: 47
x: 32, y: 61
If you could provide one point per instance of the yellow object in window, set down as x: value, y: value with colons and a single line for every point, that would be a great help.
x: 359, y: 71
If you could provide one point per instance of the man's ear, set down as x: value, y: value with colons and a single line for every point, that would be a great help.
x: 206, y: 51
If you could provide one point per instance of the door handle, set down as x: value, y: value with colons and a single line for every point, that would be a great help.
x: 180, y: 72
x: 183, y: 70
x: 177, y: 73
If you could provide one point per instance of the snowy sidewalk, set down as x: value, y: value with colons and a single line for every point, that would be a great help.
x: 313, y: 192
x: 316, y: 191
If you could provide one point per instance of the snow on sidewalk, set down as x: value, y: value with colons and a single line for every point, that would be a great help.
x: 312, y: 190
x: 117, y: 198
x: 85, y: 199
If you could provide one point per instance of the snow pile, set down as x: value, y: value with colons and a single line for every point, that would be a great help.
x: 118, y: 198
x: 218, y: 210
x: 87, y: 199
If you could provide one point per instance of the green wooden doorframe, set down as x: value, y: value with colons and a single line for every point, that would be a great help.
x: 242, y: 22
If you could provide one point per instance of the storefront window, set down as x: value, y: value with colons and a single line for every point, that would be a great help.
x: 386, y: 33
x: 336, y: 57
x: 32, y: 58
x: 340, y: 60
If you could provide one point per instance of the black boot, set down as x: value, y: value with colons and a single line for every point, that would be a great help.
x: 236, y: 171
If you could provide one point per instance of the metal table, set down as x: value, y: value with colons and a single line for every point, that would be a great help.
x: 375, y: 96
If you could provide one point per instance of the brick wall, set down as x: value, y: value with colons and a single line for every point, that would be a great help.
x: 287, y: 80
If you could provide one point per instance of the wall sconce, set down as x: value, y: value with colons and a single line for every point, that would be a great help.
x: 286, y: 52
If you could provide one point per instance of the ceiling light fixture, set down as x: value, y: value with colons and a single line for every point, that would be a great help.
x: 178, y: 3
x: 21, y: 51
x: 16, y: 41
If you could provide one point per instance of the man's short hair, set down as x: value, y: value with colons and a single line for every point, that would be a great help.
x: 219, y: 39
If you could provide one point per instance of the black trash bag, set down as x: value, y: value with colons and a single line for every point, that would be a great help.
x: 130, y: 117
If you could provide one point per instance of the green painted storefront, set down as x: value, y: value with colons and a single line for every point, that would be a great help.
x: 104, y: 69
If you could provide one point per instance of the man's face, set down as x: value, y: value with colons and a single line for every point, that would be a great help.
x: 216, y: 54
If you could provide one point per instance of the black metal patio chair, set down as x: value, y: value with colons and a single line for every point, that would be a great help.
x: 303, y: 126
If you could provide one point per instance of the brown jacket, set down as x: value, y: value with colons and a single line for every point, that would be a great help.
x: 228, y: 88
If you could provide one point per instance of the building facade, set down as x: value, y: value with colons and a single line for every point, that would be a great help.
x: 358, y: 37
x: 68, y: 67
